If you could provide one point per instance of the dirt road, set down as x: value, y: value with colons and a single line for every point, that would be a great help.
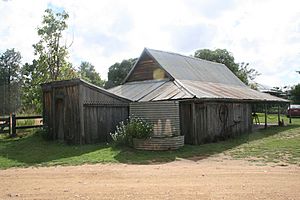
x: 210, y: 178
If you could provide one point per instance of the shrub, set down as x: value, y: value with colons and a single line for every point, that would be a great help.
x: 120, y: 136
x: 132, y: 128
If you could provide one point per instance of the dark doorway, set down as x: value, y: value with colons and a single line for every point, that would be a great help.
x: 59, y: 119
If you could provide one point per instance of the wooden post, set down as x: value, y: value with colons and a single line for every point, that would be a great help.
x: 9, y: 124
x: 290, y: 113
x: 13, y: 125
x: 266, y: 112
x: 279, y: 115
x: 194, y: 138
x: 81, y: 114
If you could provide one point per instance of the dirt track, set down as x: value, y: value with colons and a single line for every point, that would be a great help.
x: 211, y: 178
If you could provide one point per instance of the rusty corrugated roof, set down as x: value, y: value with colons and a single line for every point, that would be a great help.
x: 222, y: 91
x: 151, y: 91
x: 193, y: 78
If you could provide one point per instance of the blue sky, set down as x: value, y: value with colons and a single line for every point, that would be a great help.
x: 264, y: 33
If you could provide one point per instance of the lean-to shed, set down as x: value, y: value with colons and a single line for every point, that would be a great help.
x: 188, y: 96
x: 78, y: 112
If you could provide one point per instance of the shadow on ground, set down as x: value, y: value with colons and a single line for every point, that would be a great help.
x: 33, y: 150
x: 196, y: 152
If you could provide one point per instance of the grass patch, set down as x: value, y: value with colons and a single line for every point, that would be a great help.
x: 273, y: 118
x: 279, y: 144
x: 276, y: 144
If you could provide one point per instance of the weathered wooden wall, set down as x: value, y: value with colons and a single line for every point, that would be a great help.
x: 61, y: 113
x: 208, y: 121
x: 101, y: 120
x: 164, y: 115
x: 77, y: 112
x: 147, y: 69
x: 102, y: 112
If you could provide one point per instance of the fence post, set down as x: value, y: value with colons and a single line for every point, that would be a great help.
x: 9, y: 125
x: 13, y: 125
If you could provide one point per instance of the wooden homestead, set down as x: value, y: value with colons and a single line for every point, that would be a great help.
x: 183, y: 95
x: 78, y: 112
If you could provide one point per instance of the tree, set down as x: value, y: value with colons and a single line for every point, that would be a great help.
x: 225, y: 57
x: 51, y: 63
x: 87, y: 72
x: 52, y: 55
x: 10, y: 77
x: 118, y: 72
x: 295, y: 94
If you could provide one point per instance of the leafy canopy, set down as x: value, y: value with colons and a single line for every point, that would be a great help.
x: 52, y: 53
x: 51, y: 63
x: 295, y: 93
x: 118, y: 72
x: 10, y: 62
x: 87, y: 72
x: 31, y: 92
x: 10, y: 77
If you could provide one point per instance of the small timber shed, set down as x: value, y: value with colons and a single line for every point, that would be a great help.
x: 183, y: 95
x: 78, y: 112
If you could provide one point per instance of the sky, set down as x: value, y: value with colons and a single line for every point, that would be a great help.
x: 263, y: 33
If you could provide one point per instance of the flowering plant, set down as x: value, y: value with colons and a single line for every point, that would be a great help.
x: 134, y: 127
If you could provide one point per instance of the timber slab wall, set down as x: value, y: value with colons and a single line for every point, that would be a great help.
x: 78, y: 112
x: 203, y: 122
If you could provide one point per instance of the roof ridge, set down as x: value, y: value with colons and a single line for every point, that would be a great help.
x: 192, y: 57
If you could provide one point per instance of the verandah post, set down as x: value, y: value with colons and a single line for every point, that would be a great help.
x: 266, y: 111
x: 278, y: 115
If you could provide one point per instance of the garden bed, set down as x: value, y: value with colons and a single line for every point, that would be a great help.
x: 159, y: 143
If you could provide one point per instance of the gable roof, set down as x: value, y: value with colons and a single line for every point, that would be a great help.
x: 190, y: 78
x: 190, y: 68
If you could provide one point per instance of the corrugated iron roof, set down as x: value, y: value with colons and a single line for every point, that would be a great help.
x: 151, y: 91
x: 193, y: 78
x: 190, y: 68
x: 222, y: 91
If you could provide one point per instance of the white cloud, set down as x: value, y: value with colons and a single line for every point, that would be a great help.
x: 264, y: 33
x: 18, y: 23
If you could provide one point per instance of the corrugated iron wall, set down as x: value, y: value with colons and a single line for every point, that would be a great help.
x: 164, y: 115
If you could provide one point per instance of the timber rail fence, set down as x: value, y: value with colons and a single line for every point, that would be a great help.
x: 9, y: 124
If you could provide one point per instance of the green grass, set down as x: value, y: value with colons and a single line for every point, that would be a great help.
x: 273, y: 118
x: 276, y: 144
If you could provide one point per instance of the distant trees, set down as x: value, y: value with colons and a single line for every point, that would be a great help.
x: 223, y: 56
x: 87, y: 72
x: 118, y: 72
x: 10, y: 78
x: 295, y: 94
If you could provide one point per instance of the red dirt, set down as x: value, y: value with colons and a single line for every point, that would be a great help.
x: 211, y: 178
